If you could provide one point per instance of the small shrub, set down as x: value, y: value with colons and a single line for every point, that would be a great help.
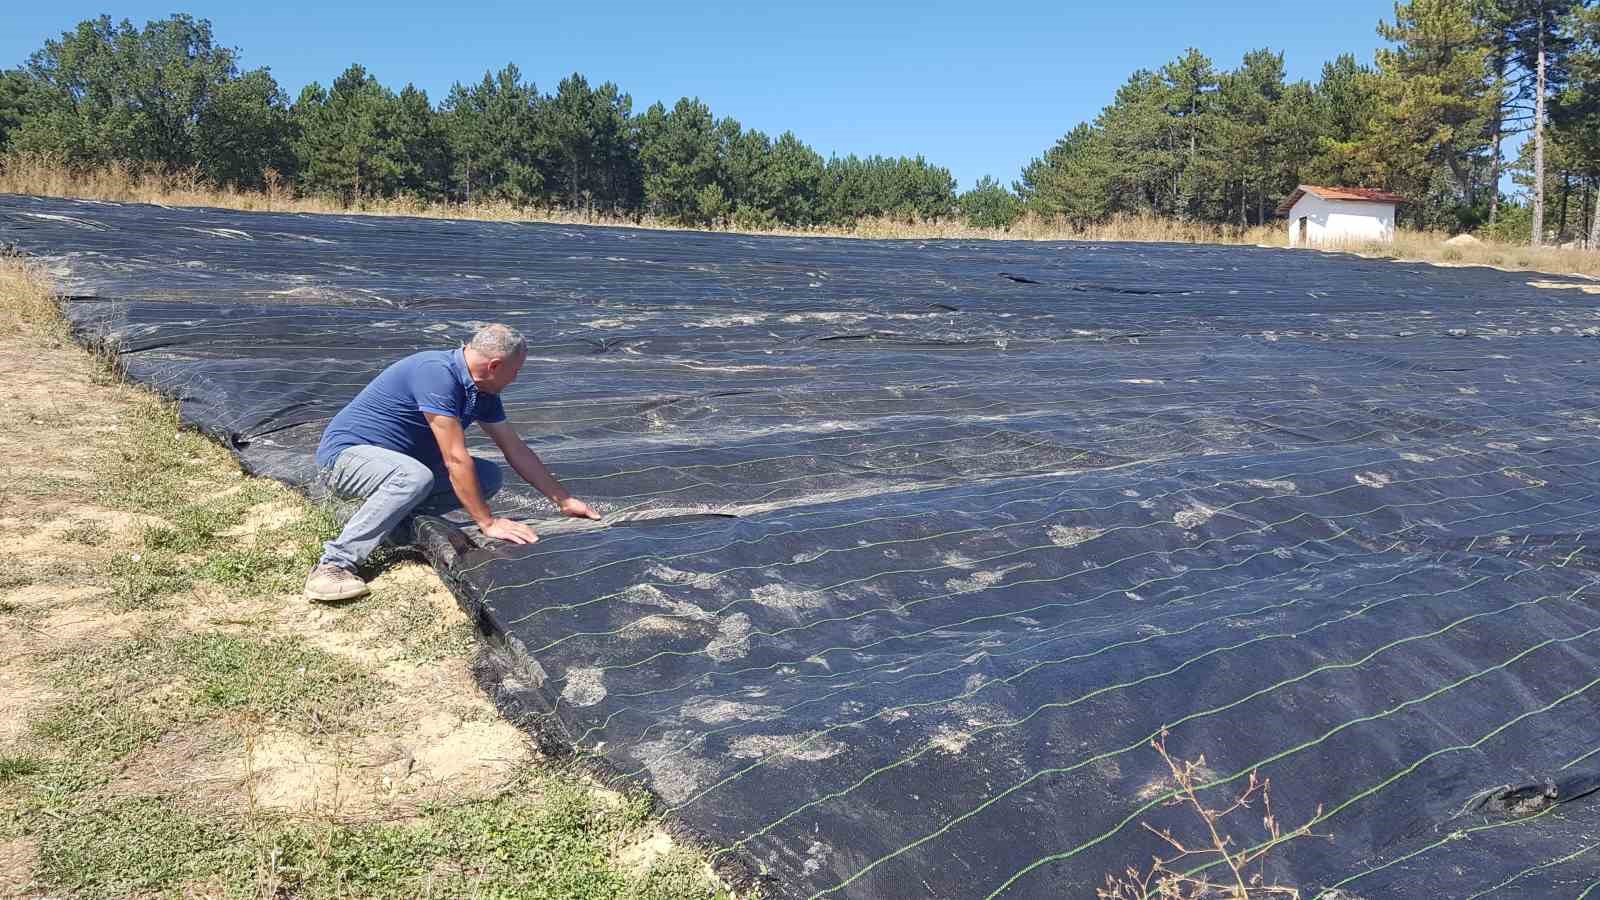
x: 89, y: 534
x: 1243, y: 867
x: 748, y: 218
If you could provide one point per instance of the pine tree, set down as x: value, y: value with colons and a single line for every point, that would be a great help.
x: 1190, y: 82
x: 1575, y: 113
x: 1538, y: 45
x: 678, y: 155
x: 1248, y: 144
x: 1345, y: 107
x: 569, y: 127
x: 1436, y: 102
x: 493, y: 131
x: 989, y: 205
x: 415, y: 142
x: 1072, y: 181
x: 343, y: 142
x: 793, y: 181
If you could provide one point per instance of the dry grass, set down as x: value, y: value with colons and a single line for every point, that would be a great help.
x: 125, y: 183
x: 1430, y: 247
x: 22, y: 174
x: 28, y: 305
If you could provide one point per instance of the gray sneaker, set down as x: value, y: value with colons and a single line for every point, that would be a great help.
x: 331, y: 584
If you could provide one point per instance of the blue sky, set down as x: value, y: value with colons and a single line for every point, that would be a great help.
x: 978, y: 87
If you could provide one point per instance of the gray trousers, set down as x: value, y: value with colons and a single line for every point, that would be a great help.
x: 394, y: 487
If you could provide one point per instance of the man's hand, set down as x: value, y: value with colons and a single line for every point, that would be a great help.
x: 509, y: 531
x: 532, y: 469
x: 577, y: 509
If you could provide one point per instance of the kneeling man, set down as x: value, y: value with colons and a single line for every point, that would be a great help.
x: 401, y: 446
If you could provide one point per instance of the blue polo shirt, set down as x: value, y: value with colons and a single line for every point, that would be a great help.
x: 388, y: 412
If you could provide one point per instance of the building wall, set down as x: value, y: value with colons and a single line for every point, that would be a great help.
x: 1341, y: 221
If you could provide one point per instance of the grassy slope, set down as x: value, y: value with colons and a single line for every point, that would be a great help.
x: 177, y: 722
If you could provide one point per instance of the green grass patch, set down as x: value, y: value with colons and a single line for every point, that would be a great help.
x: 198, y: 492
x: 122, y: 699
x: 202, y: 524
x: 17, y: 766
x: 282, y: 679
x: 549, y: 837
x: 552, y: 841
x: 37, y: 788
x: 141, y: 580
x: 159, y: 466
x: 273, y: 561
x: 91, y: 728
x: 142, y: 845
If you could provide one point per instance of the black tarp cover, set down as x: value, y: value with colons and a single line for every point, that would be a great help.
x: 913, y: 546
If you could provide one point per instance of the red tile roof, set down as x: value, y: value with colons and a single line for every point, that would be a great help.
x: 1371, y: 195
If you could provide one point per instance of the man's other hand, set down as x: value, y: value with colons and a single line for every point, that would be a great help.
x: 578, y: 509
x: 509, y: 531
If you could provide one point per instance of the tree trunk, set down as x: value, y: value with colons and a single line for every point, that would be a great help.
x: 1594, y: 222
x: 1462, y: 176
x: 1499, y: 136
x: 1561, y: 220
x: 1538, y: 142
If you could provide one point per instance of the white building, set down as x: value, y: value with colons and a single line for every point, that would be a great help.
x: 1339, y: 216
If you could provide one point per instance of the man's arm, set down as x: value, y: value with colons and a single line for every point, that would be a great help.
x: 526, y: 463
x: 464, y: 479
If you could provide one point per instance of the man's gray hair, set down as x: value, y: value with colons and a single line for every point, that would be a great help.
x: 498, y: 341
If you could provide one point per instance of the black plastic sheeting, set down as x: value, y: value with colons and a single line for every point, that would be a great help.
x: 913, y: 546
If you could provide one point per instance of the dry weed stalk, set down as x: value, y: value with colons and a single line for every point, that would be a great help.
x: 27, y: 302
x: 1181, y: 875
